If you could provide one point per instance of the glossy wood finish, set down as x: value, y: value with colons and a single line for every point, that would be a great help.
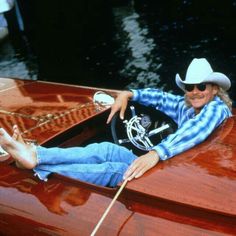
x: 191, y: 194
x: 44, y: 110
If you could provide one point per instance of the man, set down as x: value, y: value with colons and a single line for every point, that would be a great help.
x: 203, y: 108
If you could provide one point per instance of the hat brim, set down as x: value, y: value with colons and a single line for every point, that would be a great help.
x: 216, y: 78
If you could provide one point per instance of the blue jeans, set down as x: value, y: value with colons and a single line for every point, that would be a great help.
x: 98, y: 163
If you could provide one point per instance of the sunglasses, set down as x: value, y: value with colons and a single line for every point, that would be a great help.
x: 190, y: 87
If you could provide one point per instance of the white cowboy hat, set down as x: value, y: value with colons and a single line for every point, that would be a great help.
x: 200, y: 71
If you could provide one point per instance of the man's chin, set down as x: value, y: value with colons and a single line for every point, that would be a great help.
x: 197, y: 107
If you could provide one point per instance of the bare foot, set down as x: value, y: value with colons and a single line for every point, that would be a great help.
x: 24, y: 154
x: 17, y: 135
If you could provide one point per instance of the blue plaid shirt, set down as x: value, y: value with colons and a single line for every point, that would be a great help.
x: 192, y: 128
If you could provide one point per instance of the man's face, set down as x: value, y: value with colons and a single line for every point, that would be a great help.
x: 200, y: 94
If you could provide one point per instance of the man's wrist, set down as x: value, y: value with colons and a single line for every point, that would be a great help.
x: 129, y: 94
x: 154, y: 154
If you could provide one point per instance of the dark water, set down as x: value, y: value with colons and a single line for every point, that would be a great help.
x: 160, y: 40
x: 16, y: 62
x: 144, y: 44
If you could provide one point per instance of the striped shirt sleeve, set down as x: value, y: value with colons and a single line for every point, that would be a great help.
x: 193, y: 131
x: 171, y: 105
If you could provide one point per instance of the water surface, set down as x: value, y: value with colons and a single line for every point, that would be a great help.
x: 149, y: 43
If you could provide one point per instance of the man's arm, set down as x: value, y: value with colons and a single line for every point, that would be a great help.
x: 168, y: 103
x: 193, y: 131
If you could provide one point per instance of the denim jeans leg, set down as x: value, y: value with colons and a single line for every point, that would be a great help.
x: 103, y: 164
x: 93, y: 153
x: 105, y: 174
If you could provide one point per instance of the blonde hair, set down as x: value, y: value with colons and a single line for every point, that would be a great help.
x: 222, y: 94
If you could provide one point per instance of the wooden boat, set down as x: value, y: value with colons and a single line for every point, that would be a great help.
x: 191, y: 194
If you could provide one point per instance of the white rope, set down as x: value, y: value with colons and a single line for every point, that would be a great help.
x: 108, y: 208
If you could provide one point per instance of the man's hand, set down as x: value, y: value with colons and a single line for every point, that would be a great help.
x: 120, y: 104
x: 141, y: 165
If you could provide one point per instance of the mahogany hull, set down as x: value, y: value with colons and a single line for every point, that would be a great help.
x: 191, y: 194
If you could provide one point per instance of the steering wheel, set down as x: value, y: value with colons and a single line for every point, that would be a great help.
x: 142, y: 128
